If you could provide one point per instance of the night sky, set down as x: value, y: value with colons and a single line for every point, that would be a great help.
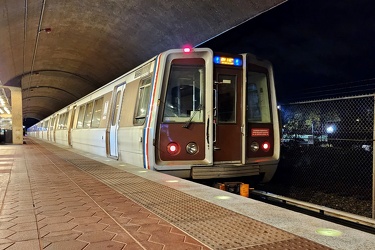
x: 319, y: 48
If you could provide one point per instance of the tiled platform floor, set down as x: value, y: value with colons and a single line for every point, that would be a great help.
x: 52, y: 198
x: 43, y: 208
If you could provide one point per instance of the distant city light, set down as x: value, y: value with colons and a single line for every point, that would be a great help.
x: 330, y: 129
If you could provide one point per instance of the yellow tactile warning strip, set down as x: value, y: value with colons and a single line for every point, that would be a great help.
x: 79, y: 203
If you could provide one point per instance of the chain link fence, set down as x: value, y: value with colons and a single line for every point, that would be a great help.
x: 327, y: 154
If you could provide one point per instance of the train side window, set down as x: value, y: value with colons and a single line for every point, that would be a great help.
x: 81, y: 116
x: 65, y: 124
x: 52, y: 124
x: 95, y: 121
x: 88, y: 115
x: 61, y: 123
x: 45, y: 126
x: 258, y: 102
x: 142, y: 101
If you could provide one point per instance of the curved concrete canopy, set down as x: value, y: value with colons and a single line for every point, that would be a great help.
x: 58, y: 51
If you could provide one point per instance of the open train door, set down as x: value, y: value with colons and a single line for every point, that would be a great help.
x: 114, y: 120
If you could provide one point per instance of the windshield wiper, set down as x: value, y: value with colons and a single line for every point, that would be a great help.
x: 187, y: 124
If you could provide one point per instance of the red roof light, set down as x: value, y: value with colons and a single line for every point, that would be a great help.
x: 187, y: 49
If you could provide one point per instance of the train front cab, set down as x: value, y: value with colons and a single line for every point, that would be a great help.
x: 215, y: 117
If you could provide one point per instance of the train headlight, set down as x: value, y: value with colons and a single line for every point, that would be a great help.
x: 254, y: 146
x: 173, y: 148
x: 192, y: 148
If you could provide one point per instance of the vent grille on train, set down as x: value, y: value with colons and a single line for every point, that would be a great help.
x: 142, y: 71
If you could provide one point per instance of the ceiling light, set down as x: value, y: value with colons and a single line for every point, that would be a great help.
x: 47, y: 30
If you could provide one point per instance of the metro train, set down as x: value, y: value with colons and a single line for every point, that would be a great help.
x: 189, y: 112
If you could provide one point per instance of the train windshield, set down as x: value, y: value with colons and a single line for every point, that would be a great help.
x: 258, y: 102
x: 185, y: 94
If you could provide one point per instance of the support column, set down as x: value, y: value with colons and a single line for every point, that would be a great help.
x: 373, y: 165
x: 16, y: 105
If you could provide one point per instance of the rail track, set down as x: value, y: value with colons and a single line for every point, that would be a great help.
x: 355, y: 221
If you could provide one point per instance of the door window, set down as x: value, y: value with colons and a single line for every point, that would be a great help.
x: 227, y: 98
x: 116, y: 108
x: 143, y: 101
x: 95, y: 121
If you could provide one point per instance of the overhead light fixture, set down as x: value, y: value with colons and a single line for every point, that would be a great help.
x: 7, y: 110
x: 3, y: 98
x: 47, y: 30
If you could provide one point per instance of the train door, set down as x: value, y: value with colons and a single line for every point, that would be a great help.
x: 262, y: 127
x: 48, y: 128
x: 54, y: 128
x: 114, y: 120
x: 227, y: 115
x: 72, y: 114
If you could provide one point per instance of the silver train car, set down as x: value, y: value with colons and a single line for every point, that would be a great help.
x: 189, y: 112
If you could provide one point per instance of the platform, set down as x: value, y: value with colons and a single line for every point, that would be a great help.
x: 56, y: 198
